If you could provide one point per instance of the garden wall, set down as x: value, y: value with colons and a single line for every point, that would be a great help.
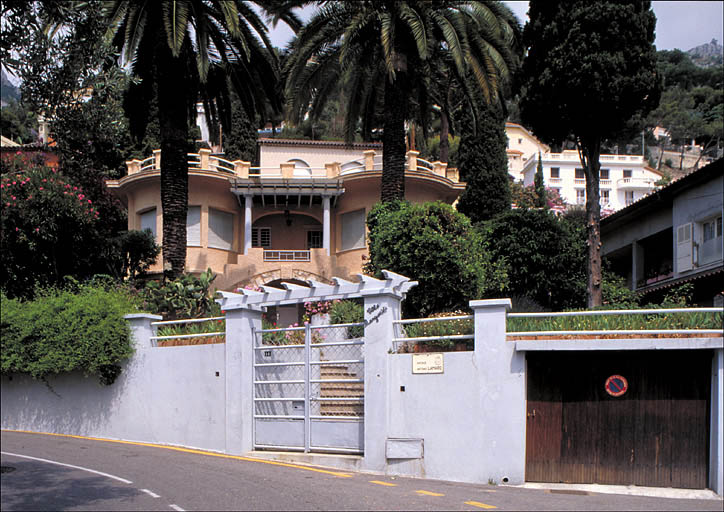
x: 168, y: 395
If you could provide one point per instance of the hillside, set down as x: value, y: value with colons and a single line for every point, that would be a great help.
x: 7, y: 90
x: 707, y: 55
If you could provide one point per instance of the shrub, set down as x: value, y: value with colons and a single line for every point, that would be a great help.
x: 348, y: 312
x: 62, y: 331
x: 47, y: 229
x: 436, y: 246
x: 545, y: 255
x: 185, y: 297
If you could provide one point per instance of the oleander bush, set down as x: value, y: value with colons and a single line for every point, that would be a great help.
x: 64, y: 330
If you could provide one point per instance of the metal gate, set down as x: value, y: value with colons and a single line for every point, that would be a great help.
x: 309, y: 388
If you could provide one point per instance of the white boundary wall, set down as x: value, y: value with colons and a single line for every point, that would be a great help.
x: 466, y: 424
x: 165, y: 395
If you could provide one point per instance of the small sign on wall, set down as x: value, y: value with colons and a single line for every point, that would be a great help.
x: 427, y: 363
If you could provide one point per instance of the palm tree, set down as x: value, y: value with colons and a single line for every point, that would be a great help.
x: 184, y: 50
x: 382, y: 51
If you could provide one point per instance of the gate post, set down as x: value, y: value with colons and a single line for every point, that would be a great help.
x: 502, y: 393
x: 240, y: 325
x: 380, y: 311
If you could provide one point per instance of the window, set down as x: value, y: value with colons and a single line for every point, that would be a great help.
x: 580, y: 174
x: 555, y: 172
x: 604, y: 174
x: 711, y: 247
x: 353, y: 230
x: 221, y: 229
x: 261, y: 237
x: 627, y: 173
x: 629, y: 197
x: 148, y: 221
x: 520, y: 141
x: 604, y: 197
x: 580, y: 196
x: 193, y: 226
x: 314, y: 239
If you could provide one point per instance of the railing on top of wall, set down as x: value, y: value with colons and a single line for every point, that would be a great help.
x: 443, y: 333
x: 448, y: 333
x: 207, y: 330
x: 690, y: 321
x: 204, y: 161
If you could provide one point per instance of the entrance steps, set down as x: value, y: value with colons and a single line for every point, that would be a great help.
x: 340, y: 390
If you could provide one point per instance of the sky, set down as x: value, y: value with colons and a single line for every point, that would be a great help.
x: 681, y: 25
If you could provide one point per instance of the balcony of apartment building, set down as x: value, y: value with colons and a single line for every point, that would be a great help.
x: 645, y: 262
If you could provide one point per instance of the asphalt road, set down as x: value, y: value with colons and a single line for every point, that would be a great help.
x: 83, y: 474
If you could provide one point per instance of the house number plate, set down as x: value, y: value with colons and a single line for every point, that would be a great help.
x: 427, y: 363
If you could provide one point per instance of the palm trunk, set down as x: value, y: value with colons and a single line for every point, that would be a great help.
x: 444, y: 131
x: 590, y: 151
x: 173, y: 122
x: 393, y: 142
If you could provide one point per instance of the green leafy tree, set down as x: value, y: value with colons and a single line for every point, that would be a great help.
x: 585, y: 79
x: 382, y: 52
x: 544, y: 255
x: 18, y: 123
x: 183, y: 49
x: 483, y: 165
x: 437, y: 246
x: 240, y: 141
x: 540, y: 189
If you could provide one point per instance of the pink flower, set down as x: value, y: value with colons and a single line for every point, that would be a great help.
x: 75, y: 188
x: 13, y: 183
x: 44, y: 180
x: 13, y: 198
x: 16, y: 229
x: 89, y: 202
x: 37, y: 229
x: 40, y: 188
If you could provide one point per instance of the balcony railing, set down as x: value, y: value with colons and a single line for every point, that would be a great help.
x: 638, y: 183
x: 205, y: 161
x: 286, y: 255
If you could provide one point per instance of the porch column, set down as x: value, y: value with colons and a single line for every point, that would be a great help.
x: 325, y: 224
x: 247, y: 223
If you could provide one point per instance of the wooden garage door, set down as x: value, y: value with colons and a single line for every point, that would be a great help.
x: 655, y: 434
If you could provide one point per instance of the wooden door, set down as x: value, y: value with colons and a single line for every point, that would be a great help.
x: 654, y: 434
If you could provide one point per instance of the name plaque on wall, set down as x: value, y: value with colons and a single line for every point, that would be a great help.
x: 427, y: 363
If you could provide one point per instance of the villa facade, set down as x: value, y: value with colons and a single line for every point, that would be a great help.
x: 299, y: 215
x: 624, y: 179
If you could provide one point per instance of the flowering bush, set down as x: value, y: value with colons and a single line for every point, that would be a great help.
x: 322, y: 307
x: 47, y: 227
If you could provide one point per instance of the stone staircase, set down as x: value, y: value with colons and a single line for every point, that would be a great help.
x: 340, y: 390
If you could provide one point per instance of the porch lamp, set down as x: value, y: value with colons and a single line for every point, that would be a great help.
x: 288, y: 217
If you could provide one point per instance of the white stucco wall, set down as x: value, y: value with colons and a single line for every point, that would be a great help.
x: 640, y: 183
x: 165, y: 395
x: 271, y: 156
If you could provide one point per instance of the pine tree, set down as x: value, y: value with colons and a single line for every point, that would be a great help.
x: 541, y: 201
x: 483, y: 164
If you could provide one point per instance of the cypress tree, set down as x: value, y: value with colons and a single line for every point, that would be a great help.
x: 541, y: 201
x: 483, y: 164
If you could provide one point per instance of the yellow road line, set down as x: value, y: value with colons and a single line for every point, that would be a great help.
x: 378, y: 482
x: 479, y: 505
x: 428, y: 493
x: 190, y: 450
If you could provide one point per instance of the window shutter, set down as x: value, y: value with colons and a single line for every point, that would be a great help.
x: 221, y: 229
x: 353, y: 230
x: 148, y: 221
x: 684, y: 248
x: 193, y: 226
